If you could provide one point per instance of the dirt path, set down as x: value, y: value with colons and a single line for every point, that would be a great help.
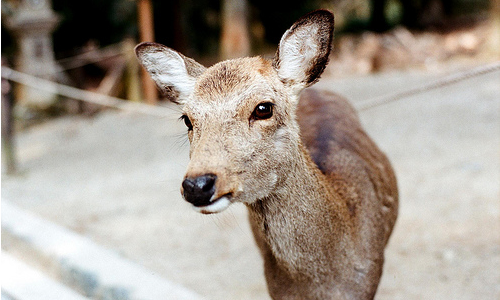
x: 116, y: 178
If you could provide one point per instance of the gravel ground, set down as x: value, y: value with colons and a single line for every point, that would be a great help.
x: 116, y: 177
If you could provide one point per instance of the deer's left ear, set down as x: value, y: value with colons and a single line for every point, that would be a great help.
x: 174, y: 74
x: 304, y: 50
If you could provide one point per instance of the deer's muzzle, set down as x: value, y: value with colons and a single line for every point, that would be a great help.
x: 199, y: 190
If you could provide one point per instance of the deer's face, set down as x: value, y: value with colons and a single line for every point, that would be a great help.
x: 240, y: 113
x: 240, y: 127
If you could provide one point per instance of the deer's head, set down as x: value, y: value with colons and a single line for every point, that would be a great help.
x: 240, y: 114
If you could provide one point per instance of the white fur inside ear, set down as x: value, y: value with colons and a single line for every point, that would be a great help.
x: 167, y: 68
x: 297, y: 51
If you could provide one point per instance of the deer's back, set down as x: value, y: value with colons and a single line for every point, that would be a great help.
x: 356, y: 168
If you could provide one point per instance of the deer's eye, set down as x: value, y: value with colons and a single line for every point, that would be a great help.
x: 263, y: 111
x: 187, y: 121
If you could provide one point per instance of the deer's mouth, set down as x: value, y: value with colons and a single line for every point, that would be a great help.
x: 216, y: 206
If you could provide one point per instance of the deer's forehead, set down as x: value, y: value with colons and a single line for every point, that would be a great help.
x: 237, y: 76
x: 230, y: 105
x: 233, y: 85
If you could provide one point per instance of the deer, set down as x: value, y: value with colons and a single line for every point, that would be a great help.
x: 322, y: 198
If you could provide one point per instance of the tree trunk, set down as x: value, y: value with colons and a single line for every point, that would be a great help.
x: 146, y: 34
x: 235, y: 40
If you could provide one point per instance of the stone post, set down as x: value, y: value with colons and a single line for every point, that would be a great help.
x: 32, y: 23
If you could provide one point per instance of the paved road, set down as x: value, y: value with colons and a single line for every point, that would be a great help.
x: 115, y: 178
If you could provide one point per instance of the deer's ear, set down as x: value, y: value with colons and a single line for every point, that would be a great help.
x: 173, y: 73
x: 304, y: 49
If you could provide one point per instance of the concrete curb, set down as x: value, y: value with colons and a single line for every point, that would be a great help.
x: 84, y: 266
x: 19, y: 281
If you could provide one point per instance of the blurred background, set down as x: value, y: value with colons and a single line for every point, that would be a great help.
x: 93, y: 155
x: 80, y: 43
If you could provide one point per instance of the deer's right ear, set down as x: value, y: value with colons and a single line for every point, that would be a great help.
x: 304, y: 50
x: 173, y: 73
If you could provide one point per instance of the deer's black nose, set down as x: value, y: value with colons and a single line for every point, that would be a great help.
x: 199, y: 190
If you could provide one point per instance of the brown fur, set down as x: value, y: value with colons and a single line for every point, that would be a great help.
x: 322, y: 198
x: 363, y: 191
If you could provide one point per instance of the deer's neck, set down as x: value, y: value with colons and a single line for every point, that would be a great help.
x: 302, y: 223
